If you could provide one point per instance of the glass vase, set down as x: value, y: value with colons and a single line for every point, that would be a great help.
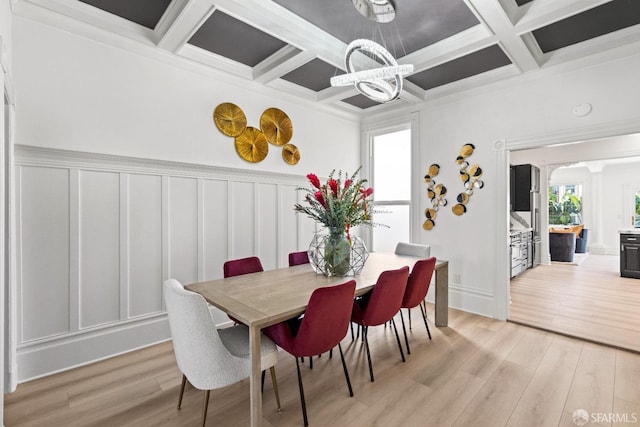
x: 332, y: 253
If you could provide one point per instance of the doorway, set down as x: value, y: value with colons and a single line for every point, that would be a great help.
x: 589, y: 300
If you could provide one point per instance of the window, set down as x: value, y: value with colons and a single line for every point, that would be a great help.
x: 565, y: 204
x: 391, y: 180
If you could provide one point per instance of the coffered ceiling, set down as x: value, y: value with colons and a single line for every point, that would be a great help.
x: 296, y: 46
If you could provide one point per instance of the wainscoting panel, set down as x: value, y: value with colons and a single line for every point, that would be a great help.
x: 183, y: 229
x: 99, y: 234
x: 43, y: 242
x: 243, y: 219
x: 143, y: 245
x: 288, y: 197
x: 267, y: 233
x: 215, y: 234
x: 99, y: 248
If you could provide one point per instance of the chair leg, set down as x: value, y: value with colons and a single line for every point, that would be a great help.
x: 346, y: 372
x: 262, y: 382
x: 275, y: 387
x: 310, y: 362
x: 351, y: 325
x: 304, y: 406
x: 205, y: 406
x: 184, y: 382
x: 331, y: 354
x: 424, y: 317
x: 366, y: 346
x: 409, y: 311
x: 406, y: 340
x: 393, y: 322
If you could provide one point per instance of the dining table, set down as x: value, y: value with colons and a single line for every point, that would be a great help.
x: 268, y: 297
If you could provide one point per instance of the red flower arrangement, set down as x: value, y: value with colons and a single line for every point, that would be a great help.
x: 338, y: 204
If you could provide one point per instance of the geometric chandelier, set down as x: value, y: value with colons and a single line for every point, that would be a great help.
x: 381, y: 84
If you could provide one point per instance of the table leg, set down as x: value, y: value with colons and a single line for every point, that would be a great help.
x: 442, y: 294
x: 254, y: 384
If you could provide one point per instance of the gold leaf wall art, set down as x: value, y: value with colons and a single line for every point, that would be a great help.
x: 470, y: 177
x: 277, y: 126
x: 252, y: 144
x: 436, y: 194
x: 230, y: 119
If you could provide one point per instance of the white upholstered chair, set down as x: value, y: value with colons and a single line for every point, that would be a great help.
x: 413, y: 249
x: 207, y: 357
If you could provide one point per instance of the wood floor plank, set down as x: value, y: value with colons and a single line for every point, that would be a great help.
x: 589, y: 301
x: 478, y: 371
x: 593, y: 383
x: 494, y: 403
x: 543, y: 400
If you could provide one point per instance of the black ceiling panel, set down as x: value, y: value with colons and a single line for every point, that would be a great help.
x: 362, y: 101
x: 143, y: 12
x: 418, y: 23
x: 233, y: 39
x: 523, y: 2
x: 478, y: 62
x: 595, y: 22
x: 314, y: 75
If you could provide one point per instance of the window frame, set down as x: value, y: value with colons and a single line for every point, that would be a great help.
x: 368, y: 133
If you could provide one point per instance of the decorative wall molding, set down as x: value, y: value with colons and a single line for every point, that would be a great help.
x: 97, y: 235
x: 40, y: 156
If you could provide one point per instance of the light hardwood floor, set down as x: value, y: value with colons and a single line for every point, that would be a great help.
x: 476, y: 372
x: 589, y: 301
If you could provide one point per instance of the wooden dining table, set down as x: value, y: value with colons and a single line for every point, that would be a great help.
x: 265, y: 298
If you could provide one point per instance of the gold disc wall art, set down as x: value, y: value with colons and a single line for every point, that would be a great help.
x: 252, y: 145
x: 470, y: 177
x: 290, y: 154
x: 276, y: 126
x: 230, y: 119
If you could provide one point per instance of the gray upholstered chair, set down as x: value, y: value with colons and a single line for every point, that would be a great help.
x: 413, y: 249
x: 207, y: 357
x: 562, y: 246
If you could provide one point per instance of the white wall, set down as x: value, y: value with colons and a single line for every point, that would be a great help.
x: 528, y: 111
x: 6, y: 380
x: 100, y: 228
x: 79, y: 94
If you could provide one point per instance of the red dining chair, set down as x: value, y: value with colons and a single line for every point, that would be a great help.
x: 237, y: 267
x: 240, y: 266
x: 380, y: 305
x: 324, y: 325
x: 297, y: 258
x: 417, y: 288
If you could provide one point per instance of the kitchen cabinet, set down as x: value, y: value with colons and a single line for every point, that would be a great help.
x: 630, y: 255
x: 521, y: 246
x: 525, y: 179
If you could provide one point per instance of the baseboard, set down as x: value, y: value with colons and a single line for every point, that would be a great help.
x: 39, y: 360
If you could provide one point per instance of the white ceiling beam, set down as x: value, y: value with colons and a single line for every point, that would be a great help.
x: 178, y: 25
x: 495, y: 18
x: 216, y: 61
x: 454, y: 47
x: 283, y: 24
x: 280, y: 63
x: 540, y: 13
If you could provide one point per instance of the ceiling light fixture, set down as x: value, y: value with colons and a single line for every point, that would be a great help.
x: 381, y: 84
